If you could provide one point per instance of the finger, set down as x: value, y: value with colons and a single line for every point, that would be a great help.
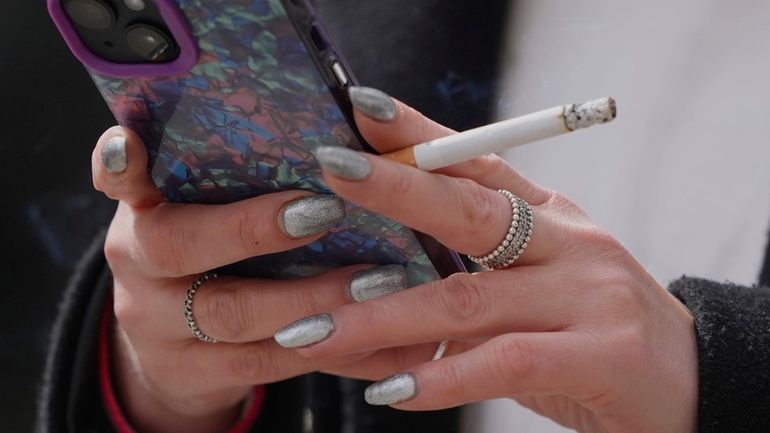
x: 386, y: 362
x: 460, y: 307
x: 173, y: 240
x: 209, y: 367
x: 119, y: 169
x: 494, y: 172
x: 389, y: 125
x: 506, y: 366
x: 239, y: 310
x: 472, y: 219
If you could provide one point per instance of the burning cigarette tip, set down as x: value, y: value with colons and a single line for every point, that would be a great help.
x: 591, y: 113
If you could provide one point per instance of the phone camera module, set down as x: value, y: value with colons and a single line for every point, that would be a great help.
x: 150, y: 43
x: 91, y: 14
x: 135, y: 5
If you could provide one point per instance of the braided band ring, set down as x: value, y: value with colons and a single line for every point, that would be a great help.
x: 188, y: 307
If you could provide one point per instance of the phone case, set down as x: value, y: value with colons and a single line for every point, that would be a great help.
x: 240, y: 116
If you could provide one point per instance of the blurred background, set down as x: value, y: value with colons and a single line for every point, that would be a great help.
x: 682, y: 177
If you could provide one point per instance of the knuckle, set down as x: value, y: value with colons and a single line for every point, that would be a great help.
x: 257, y: 365
x: 628, y: 346
x: 620, y: 291
x: 490, y: 166
x: 400, y: 184
x: 621, y: 302
x: 560, y: 202
x: 512, y: 358
x: 462, y: 298
x: 165, y: 246
x: 601, y: 239
x: 225, y: 314
x: 244, y: 223
x: 115, y: 251
x: 480, y: 208
x: 309, y: 301
x: 128, y: 313
x: 581, y: 236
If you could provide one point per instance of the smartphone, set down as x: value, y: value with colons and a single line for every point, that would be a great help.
x: 230, y: 98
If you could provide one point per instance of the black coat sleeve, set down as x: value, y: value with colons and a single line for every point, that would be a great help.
x: 69, y: 399
x: 733, y: 337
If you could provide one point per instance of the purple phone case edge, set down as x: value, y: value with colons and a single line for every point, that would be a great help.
x: 177, y: 24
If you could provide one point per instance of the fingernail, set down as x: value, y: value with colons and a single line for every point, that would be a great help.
x: 343, y: 162
x: 377, y: 282
x: 114, y: 154
x: 395, y: 389
x: 312, y: 215
x: 305, y: 332
x: 374, y: 103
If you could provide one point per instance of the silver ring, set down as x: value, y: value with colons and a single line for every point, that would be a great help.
x: 515, y: 241
x: 188, y: 307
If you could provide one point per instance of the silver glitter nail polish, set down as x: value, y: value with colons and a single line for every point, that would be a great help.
x: 395, y: 389
x: 374, y: 103
x: 305, y: 332
x: 343, y: 163
x: 312, y: 215
x: 114, y: 154
x: 377, y: 282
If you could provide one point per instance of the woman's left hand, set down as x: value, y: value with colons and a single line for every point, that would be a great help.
x: 576, y: 329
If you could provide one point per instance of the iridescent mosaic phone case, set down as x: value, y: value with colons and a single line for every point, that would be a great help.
x: 239, y: 113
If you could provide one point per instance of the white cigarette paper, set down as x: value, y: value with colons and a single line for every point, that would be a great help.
x: 507, y: 134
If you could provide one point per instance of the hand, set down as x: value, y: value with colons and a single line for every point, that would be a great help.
x: 166, y: 378
x: 576, y: 330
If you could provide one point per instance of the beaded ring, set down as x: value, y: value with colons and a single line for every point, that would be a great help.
x: 515, y: 241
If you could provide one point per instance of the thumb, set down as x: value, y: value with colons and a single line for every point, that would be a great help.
x: 119, y: 168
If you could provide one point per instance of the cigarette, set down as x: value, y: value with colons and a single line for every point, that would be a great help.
x: 504, y: 135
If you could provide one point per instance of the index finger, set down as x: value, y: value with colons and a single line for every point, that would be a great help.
x: 389, y: 125
x: 172, y: 240
x: 459, y: 213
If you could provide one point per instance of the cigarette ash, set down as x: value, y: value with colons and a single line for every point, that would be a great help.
x: 578, y: 116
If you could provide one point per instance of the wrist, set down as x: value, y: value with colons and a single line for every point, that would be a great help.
x: 144, y: 409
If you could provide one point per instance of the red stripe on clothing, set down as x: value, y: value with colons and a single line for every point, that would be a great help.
x: 110, y: 400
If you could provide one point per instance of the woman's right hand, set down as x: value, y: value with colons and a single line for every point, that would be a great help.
x: 168, y: 380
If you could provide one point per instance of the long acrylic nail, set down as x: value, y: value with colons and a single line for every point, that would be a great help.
x: 377, y: 282
x: 343, y: 162
x: 312, y: 215
x: 374, y: 103
x: 395, y: 389
x: 114, y: 154
x: 305, y: 332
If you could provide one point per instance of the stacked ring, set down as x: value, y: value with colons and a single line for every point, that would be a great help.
x: 188, y: 307
x: 515, y: 241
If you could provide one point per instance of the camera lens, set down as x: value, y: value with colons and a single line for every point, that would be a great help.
x: 150, y: 43
x: 92, y: 14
